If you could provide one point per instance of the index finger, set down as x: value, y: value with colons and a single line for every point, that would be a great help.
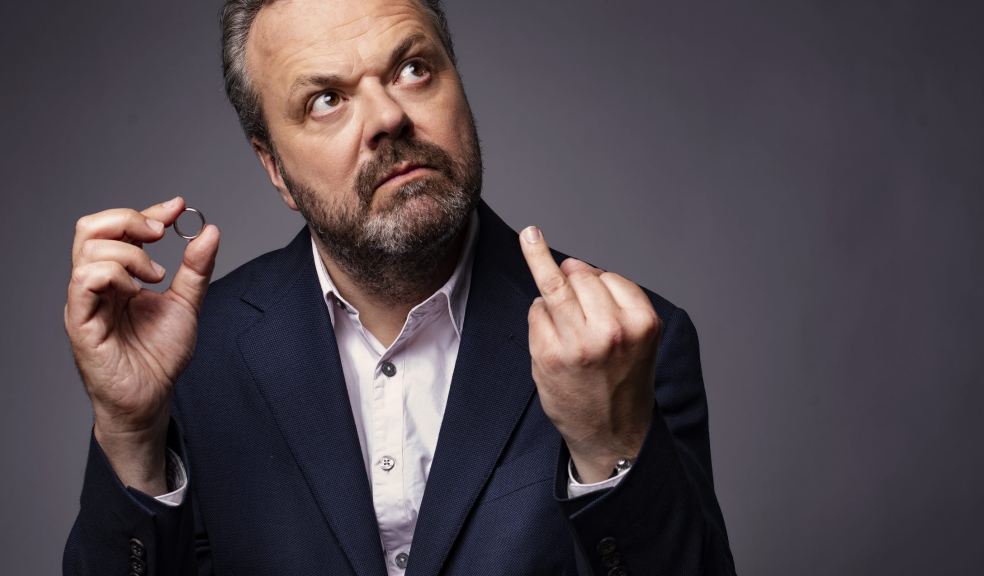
x: 126, y: 225
x: 166, y: 212
x: 549, y: 278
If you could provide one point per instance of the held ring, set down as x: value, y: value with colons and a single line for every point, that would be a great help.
x: 190, y: 236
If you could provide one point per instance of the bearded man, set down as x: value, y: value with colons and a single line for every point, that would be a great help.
x: 409, y: 387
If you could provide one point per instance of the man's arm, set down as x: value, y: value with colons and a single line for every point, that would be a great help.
x: 598, y: 346
x: 121, y: 530
x: 663, y: 517
x: 130, y: 345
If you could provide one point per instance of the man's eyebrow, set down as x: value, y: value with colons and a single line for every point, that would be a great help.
x: 314, y: 80
x: 396, y: 55
x: 400, y: 52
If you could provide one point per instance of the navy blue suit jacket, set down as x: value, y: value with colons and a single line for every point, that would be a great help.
x: 277, y: 481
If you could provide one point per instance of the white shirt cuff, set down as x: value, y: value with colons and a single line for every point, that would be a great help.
x: 575, y: 488
x: 177, y: 478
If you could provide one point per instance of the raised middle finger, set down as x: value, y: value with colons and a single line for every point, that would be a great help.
x: 558, y: 295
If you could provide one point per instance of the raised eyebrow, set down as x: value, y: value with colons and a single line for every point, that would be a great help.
x: 404, y: 47
x: 318, y: 80
x: 325, y: 80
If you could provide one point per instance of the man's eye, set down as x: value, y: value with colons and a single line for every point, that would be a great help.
x: 326, y: 102
x: 414, y: 72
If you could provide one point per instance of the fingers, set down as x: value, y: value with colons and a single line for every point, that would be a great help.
x: 90, y: 283
x: 626, y: 293
x: 578, y: 296
x: 191, y: 280
x: 119, y: 224
x: 134, y: 259
x: 549, y: 278
x: 543, y: 333
x: 637, y: 311
x: 126, y: 225
x: 166, y: 212
x: 107, y: 251
x: 571, y: 265
x: 599, y: 307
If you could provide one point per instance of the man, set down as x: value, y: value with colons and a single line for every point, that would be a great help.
x: 408, y: 387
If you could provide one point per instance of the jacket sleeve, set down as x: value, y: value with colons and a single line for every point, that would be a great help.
x: 663, y: 517
x: 120, y: 530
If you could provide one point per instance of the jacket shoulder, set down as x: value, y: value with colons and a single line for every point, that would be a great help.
x: 256, y: 281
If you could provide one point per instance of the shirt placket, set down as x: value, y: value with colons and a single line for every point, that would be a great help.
x: 389, y: 490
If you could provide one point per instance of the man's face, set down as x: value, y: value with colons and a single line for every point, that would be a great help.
x: 373, y: 138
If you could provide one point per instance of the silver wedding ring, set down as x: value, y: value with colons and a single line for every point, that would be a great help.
x: 189, y: 236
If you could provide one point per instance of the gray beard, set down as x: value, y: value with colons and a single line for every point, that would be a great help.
x: 395, y: 252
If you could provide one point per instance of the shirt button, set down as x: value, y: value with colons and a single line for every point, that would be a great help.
x: 389, y: 369
x: 401, y: 560
x: 386, y: 463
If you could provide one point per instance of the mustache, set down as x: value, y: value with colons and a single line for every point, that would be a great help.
x: 393, y: 152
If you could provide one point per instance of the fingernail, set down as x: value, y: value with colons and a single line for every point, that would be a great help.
x: 172, y: 202
x: 155, y: 225
x: 532, y: 235
x: 157, y: 268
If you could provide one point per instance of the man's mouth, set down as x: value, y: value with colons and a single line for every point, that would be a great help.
x: 402, y: 172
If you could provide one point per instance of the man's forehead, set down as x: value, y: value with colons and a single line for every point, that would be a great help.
x: 287, y: 28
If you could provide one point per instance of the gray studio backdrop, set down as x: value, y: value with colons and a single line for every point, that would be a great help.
x: 803, y: 177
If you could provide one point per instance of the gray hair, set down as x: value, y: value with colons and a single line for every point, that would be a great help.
x: 237, y: 20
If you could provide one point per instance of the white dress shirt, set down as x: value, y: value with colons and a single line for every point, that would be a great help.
x: 398, y: 395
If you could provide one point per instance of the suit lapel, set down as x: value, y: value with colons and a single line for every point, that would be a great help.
x: 293, y: 357
x: 490, y: 390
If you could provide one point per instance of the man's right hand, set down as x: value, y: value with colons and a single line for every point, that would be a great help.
x: 130, y: 344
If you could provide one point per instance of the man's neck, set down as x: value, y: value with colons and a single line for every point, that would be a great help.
x: 384, y: 315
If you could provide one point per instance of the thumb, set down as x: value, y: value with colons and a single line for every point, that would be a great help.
x: 191, y: 280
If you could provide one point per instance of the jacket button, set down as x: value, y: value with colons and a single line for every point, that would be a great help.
x: 138, y: 567
x: 137, y: 549
x: 401, y: 560
x: 606, y: 546
x: 611, y: 560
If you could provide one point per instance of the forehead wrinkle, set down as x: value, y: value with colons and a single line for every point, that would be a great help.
x: 348, y: 43
x: 308, y: 27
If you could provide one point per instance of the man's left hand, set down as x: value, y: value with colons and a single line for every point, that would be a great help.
x: 593, y: 341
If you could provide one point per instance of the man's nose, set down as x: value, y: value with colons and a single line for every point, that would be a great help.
x: 385, y: 117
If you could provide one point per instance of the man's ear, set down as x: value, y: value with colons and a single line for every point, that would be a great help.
x: 270, y: 166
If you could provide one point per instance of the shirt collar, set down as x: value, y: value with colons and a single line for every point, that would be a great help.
x: 454, y: 292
